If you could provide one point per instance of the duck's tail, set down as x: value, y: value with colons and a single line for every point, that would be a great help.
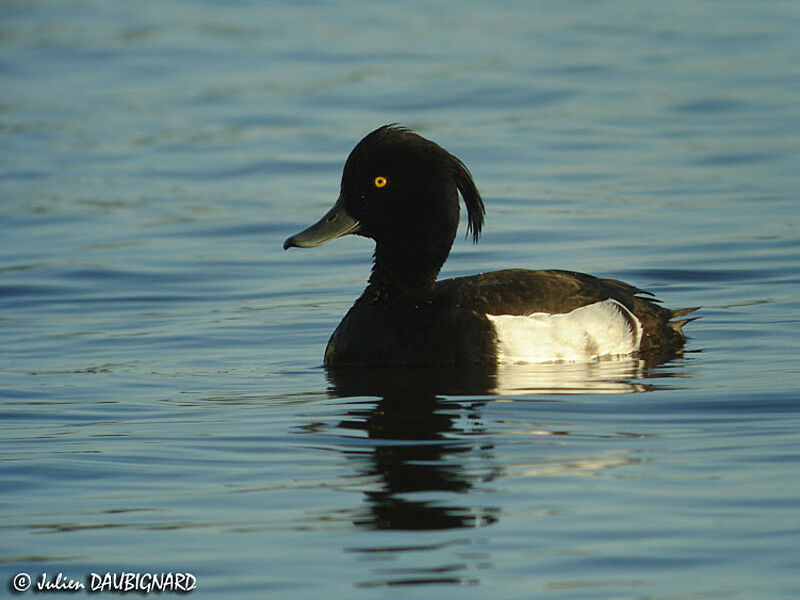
x: 677, y: 324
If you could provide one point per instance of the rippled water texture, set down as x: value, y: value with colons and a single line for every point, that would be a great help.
x: 163, y: 404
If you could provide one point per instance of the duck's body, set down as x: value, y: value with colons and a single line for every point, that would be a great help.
x: 402, y: 190
x: 460, y: 321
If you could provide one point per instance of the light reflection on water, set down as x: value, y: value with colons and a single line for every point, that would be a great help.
x: 610, y: 376
x: 162, y: 400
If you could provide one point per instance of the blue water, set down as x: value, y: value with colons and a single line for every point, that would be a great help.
x: 163, y: 401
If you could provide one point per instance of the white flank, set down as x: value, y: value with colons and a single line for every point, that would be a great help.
x: 604, y: 328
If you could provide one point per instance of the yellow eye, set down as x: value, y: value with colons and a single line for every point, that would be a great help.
x: 380, y: 181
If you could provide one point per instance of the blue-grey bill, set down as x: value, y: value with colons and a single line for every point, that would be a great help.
x: 335, y: 223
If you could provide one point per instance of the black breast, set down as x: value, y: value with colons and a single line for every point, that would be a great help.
x: 431, y: 330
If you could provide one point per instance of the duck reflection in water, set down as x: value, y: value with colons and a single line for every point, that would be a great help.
x: 420, y: 445
x: 427, y: 441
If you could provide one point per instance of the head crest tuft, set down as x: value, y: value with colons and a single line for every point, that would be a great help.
x: 475, y: 208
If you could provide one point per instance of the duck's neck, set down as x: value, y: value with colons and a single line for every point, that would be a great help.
x: 407, y: 270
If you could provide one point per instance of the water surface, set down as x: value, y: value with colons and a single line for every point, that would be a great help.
x: 162, y: 396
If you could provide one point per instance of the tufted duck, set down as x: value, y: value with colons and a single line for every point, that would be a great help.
x: 401, y: 190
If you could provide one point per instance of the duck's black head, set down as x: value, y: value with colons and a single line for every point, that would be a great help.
x: 401, y: 190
